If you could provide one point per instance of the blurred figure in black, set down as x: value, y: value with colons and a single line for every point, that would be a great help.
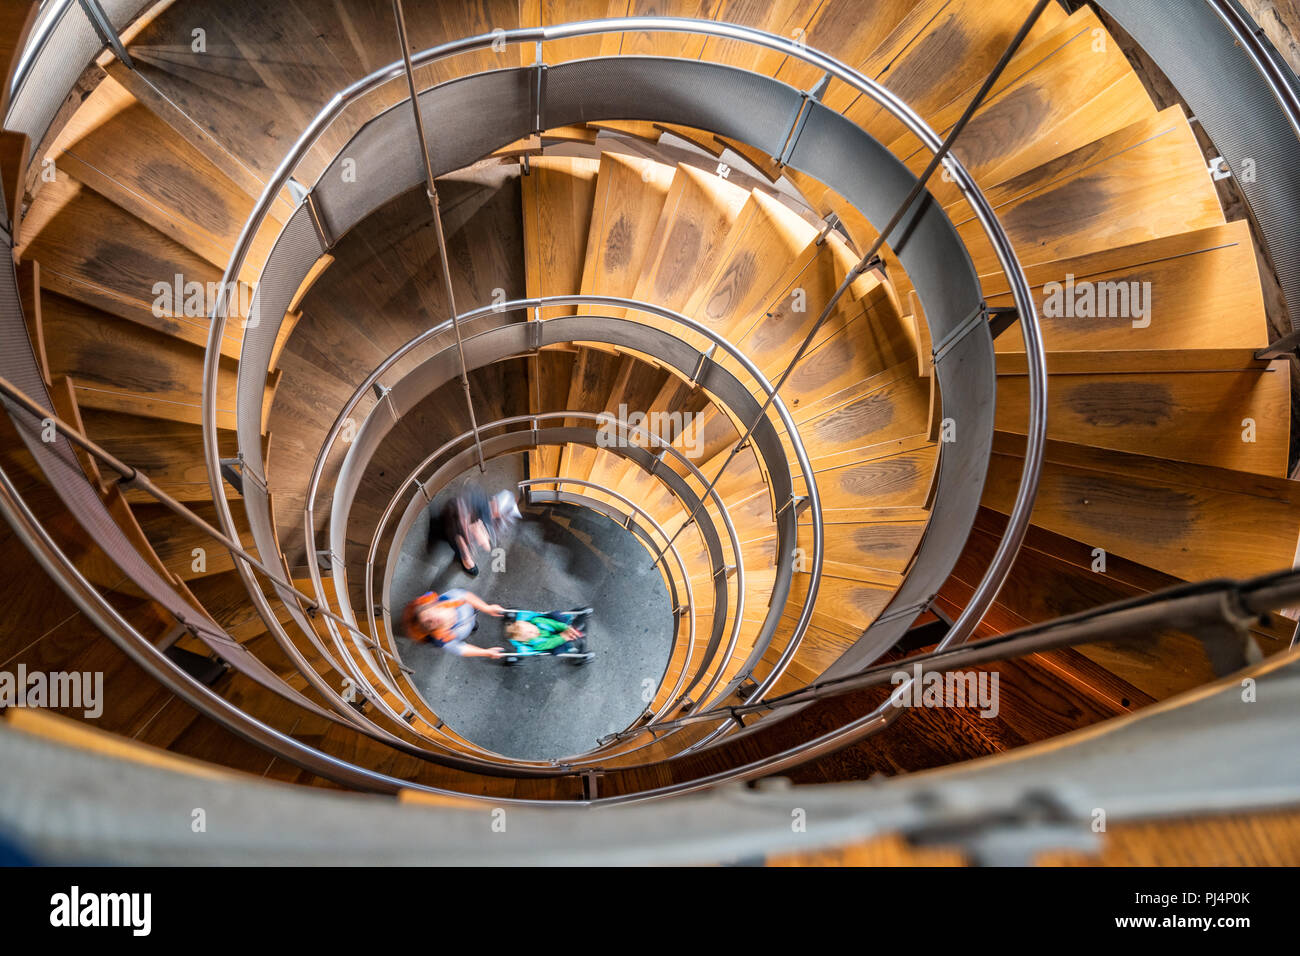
x: 472, y: 521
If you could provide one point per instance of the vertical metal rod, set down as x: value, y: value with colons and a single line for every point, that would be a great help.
x: 431, y: 190
x: 870, y: 256
x: 99, y: 20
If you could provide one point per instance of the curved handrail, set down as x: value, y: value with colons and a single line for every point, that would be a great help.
x: 536, y: 304
x: 636, y: 433
x: 733, y: 538
x: 1259, y: 51
x: 1018, y: 523
x: 635, y: 509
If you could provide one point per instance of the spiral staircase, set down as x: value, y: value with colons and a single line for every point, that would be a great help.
x: 283, y: 273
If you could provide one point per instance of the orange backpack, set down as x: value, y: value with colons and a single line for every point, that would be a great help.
x: 410, y: 618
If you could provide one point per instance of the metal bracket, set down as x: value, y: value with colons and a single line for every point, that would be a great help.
x: 228, y: 472
x: 699, y: 365
x: 591, y: 784
x: 539, y: 93
x: 1002, y: 318
x: 800, y: 503
x: 535, y: 330
x: 867, y: 265
x: 1285, y: 347
x: 325, y: 559
x: 381, y: 395
x: 172, y: 636
x: 831, y: 221
x: 303, y: 197
x: 969, y: 324
x: 99, y: 20
x: 423, y: 490
x: 912, y: 609
x: 800, y: 119
x: 745, y: 689
x: 727, y: 569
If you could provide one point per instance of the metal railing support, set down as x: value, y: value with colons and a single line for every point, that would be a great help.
x: 431, y: 190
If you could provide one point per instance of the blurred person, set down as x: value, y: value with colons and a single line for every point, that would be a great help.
x: 471, y: 522
x: 448, y: 619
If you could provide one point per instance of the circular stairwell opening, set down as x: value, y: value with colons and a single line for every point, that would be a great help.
x: 559, y: 556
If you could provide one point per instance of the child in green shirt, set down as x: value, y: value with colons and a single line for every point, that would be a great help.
x: 552, y: 632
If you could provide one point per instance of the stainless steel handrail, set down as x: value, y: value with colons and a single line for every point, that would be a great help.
x: 1258, y: 52
x: 1019, y: 498
x: 536, y: 304
x: 1036, y: 364
x: 635, y: 509
x: 46, y: 21
x: 636, y: 433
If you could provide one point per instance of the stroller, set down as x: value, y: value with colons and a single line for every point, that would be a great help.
x: 548, y: 642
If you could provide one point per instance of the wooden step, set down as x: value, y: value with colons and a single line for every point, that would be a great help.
x: 122, y: 367
x: 870, y: 547
x: 749, y: 268
x: 171, y: 453
x: 1053, y: 576
x: 890, y: 405
x: 630, y: 195
x: 1186, y: 520
x: 839, y: 29
x: 1235, y: 420
x: 558, y: 194
x: 1072, y: 88
x: 178, y: 190
x: 1203, y: 294
x: 699, y: 211
x: 890, y: 476
x: 1146, y: 181
x: 93, y: 251
x: 951, y: 51
x: 175, y: 541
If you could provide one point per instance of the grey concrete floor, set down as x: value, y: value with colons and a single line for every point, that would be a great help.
x: 558, y: 557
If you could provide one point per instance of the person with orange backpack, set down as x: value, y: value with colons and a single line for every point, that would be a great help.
x: 449, y: 618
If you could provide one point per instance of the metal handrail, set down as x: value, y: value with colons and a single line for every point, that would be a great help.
x: 636, y: 433
x: 1036, y: 363
x: 133, y: 477
x: 46, y: 21
x: 536, y: 304
x: 634, y: 509
x: 1219, y: 6
x: 1259, y: 52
